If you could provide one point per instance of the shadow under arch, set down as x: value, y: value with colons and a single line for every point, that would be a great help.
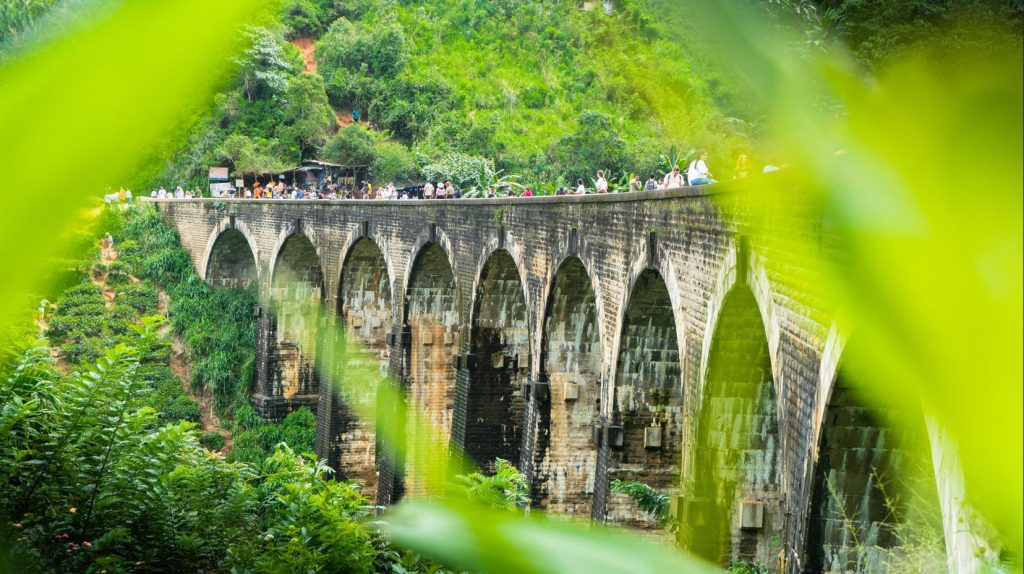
x: 873, y: 503
x: 231, y: 261
x: 498, y: 364
x: 364, y: 306
x: 738, y: 462
x: 564, y: 456
x: 296, y: 299
x: 648, y: 396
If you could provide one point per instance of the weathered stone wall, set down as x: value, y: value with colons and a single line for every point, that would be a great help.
x: 737, y: 450
x: 622, y: 296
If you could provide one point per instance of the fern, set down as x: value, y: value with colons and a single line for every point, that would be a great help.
x: 650, y: 500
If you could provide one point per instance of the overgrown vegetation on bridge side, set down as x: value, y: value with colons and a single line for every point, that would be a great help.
x: 102, y: 464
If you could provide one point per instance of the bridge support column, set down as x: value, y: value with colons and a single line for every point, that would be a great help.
x: 536, y: 433
x: 599, y: 508
x: 390, y: 479
x: 286, y: 379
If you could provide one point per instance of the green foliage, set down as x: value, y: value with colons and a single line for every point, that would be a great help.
x: 258, y: 439
x: 308, y: 118
x: 392, y: 161
x: 307, y: 18
x: 20, y: 15
x: 263, y: 67
x: 652, y: 501
x: 309, y: 524
x: 251, y: 155
x: 505, y: 489
x: 212, y: 441
x: 358, y: 61
x: 461, y: 169
x: 352, y: 146
x: 139, y: 296
x: 167, y: 396
x: 742, y: 567
x: 878, y: 31
x: 93, y: 482
x: 356, y: 145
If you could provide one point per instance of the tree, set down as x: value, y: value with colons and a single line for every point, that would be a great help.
x: 264, y: 67
x: 596, y: 144
x: 352, y: 146
x: 461, y: 169
x: 359, y: 62
x: 308, y: 117
x: 250, y: 156
x: 391, y: 161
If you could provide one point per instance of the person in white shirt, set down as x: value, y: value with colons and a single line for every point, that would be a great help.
x: 428, y: 190
x: 601, y: 184
x: 698, y: 173
x: 580, y: 188
x: 673, y: 179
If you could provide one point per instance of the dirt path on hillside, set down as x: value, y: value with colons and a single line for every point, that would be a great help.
x: 179, y: 363
x: 305, y: 45
x: 308, y: 50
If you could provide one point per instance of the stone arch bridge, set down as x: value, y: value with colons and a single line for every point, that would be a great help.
x: 588, y: 339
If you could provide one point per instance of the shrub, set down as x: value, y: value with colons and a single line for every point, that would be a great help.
x: 212, y: 441
x: 139, y: 296
x: 118, y: 273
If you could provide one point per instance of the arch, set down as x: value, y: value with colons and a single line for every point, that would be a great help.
x: 648, y: 396
x: 738, y: 455
x: 873, y: 503
x: 295, y: 233
x: 225, y: 225
x: 231, y: 262
x: 756, y: 278
x: 364, y: 306
x: 296, y: 295
x: 364, y: 300
x: 431, y: 238
x: 570, y: 361
x: 499, y: 363
x: 431, y: 319
x: 357, y: 235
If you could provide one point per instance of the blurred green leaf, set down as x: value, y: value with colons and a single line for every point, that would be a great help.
x: 81, y: 110
x: 494, y: 541
x: 918, y: 172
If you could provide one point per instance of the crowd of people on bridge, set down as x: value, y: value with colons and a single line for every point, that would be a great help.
x: 697, y: 173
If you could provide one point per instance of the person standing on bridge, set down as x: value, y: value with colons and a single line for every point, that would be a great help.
x: 601, y: 183
x: 580, y: 188
x: 674, y: 178
x: 428, y: 190
x: 652, y: 183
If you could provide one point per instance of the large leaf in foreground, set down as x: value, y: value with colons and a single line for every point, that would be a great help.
x: 495, y: 541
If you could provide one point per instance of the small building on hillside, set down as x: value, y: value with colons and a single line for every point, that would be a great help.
x: 316, y: 173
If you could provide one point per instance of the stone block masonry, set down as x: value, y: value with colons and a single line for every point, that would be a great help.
x: 646, y: 336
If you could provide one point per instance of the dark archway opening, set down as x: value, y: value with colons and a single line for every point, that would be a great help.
x: 364, y: 308
x: 232, y: 263
x: 498, y: 365
x: 565, y: 455
x: 874, y: 504
x: 296, y: 298
x: 648, y: 398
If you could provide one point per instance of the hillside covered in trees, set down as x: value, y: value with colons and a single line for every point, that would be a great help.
x: 473, y: 90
